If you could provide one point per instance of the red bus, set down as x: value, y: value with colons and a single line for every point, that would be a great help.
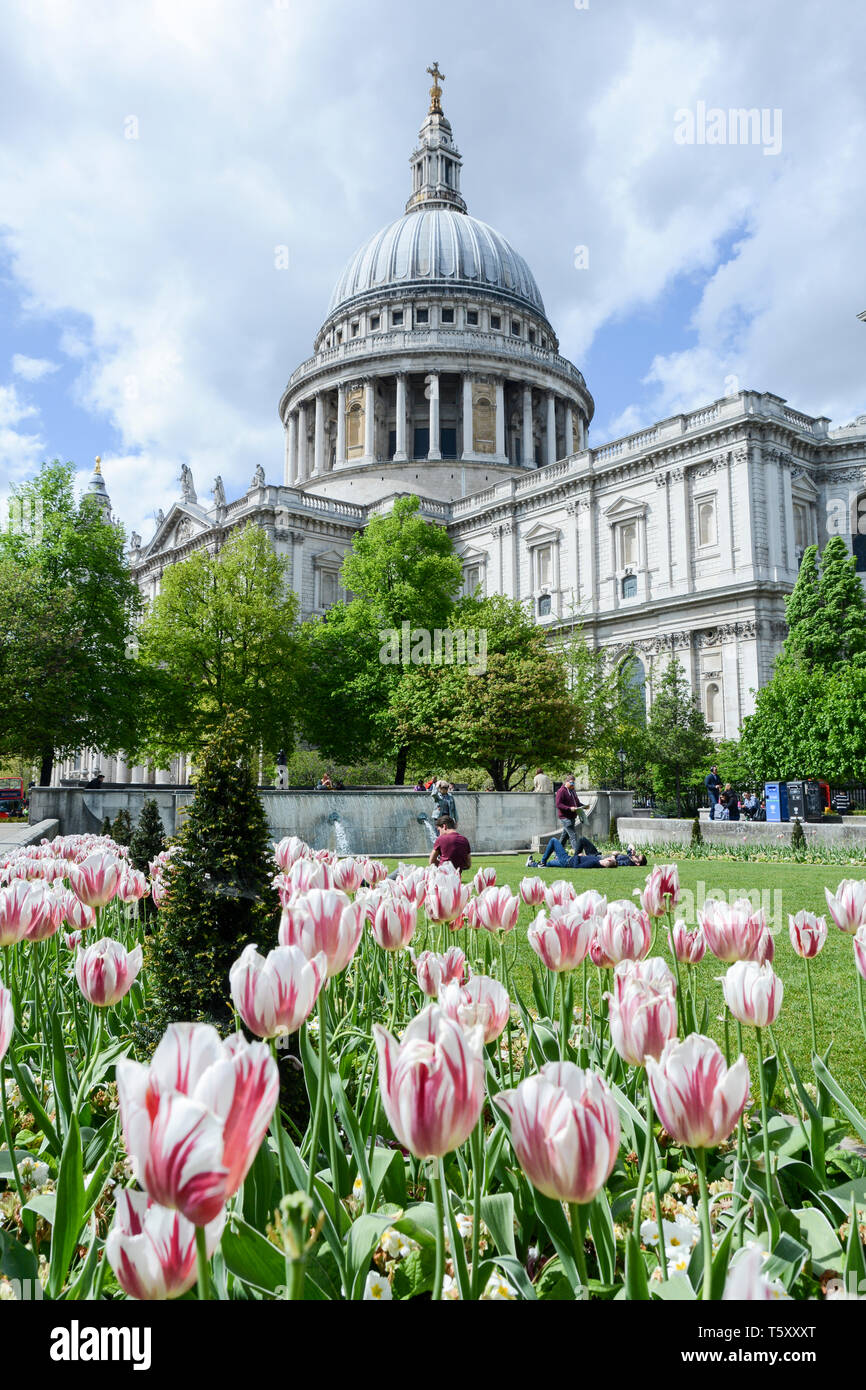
x: 11, y: 795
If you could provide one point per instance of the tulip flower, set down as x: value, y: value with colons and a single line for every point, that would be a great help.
x: 132, y: 886
x: 623, y: 933
x: 652, y: 971
x: 77, y: 914
x: 446, y: 897
x: 497, y: 910
x: 374, y: 871
x: 642, y: 1015
x: 733, y: 931
x: 158, y: 890
x: 432, y: 971
x: 561, y: 942
x: 848, y: 904
x: 394, y: 922
x: 152, y: 1248
x: 753, y: 993
x: 483, y: 1002
x: 106, y: 971
x: 531, y: 891
x: 23, y: 906
x: 348, y: 875
x: 7, y: 1021
x: 193, y: 1120
x: 431, y: 1082
x: 485, y: 878
x: 696, y: 1096
x: 860, y: 951
x: 289, y: 851
x: 324, y: 920
x: 808, y: 933
x: 688, y: 947
x: 72, y: 940
x: 746, y: 1281
x: 46, y: 911
x: 588, y: 904
x: 275, y: 994
x: 565, y: 1131
x: 307, y: 874
x: 95, y: 881
x: 559, y: 893
x: 765, y: 948
x: 413, y: 885
x: 662, y: 891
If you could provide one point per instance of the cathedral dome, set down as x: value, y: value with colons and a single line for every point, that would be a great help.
x: 437, y: 247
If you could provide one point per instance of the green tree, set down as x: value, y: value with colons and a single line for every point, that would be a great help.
x: 826, y: 612
x: 220, y: 896
x: 148, y: 837
x: 220, y: 640
x: 68, y: 609
x: 678, y: 736
x: 121, y: 827
x: 400, y: 570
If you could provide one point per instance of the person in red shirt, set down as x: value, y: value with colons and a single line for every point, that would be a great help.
x: 568, y: 805
x: 450, y: 847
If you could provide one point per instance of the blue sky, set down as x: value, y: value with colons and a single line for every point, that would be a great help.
x: 154, y: 154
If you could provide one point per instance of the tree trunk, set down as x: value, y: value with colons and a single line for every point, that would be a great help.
x: 679, y: 807
x: 496, y: 770
x: 46, y: 766
x: 400, y: 772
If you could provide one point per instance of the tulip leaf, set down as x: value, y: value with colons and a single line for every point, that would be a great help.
x: 787, y: 1260
x: 260, y: 1194
x: 849, y: 1110
x: 388, y: 1173
x: 555, y: 1222
x: 419, y: 1222
x: 497, y: 1213
x: 69, y: 1210
x: 675, y: 1290
x: 27, y: 1086
x: 855, y: 1257
x: 364, y: 1236
x: 16, y: 1261
x: 251, y: 1257
x: 820, y: 1237
x: 350, y: 1124
x: 553, y: 1285
x: 636, y: 1283
x: 59, y: 1069
x: 842, y: 1195
x: 604, y: 1237
x: 322, y: 1278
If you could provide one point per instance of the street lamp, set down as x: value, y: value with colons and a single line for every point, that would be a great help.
x: 621, y: 756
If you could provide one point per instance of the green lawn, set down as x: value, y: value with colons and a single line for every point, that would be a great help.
x: 782, y: 888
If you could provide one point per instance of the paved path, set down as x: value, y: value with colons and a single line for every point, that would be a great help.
x: 17, y: 836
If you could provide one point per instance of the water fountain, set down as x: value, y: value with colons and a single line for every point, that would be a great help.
x: 423, y: 819
x: 340, y: 834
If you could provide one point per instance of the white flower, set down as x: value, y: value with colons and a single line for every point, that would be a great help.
x: 464, y: 1224
x: 450, y: 1289
x: 678, y: 1262
x: 498, y: 1288
x: 358, y: 1188
x: 377, y: 1287
x: 393, y: 1244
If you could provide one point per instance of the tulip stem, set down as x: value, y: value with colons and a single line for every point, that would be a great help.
x: 681, y: 1008
x: 577, y: 1212
x: 563, y: 1015
x: 706, y: 1229
x: 439, y: 1203
x: 768, y: 1171
x: 90, y: 1064
x: 811, y: 1004
x: 202, y: 1264
x: 320, y: 1100
x: 860, y: 1002
x: 477, y: 1151
x: 7, y: 1130
x: 657, y: 1198
x: 741, y: 1124
x: 641, y: 1182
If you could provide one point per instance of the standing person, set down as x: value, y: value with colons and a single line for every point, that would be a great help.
x: 282, y: 777
x: 541, y: 782
x: 733, y: 802
x: 568, y: 808
x: 444, y: 799
x: 713, y: 784
x: 450, y: 847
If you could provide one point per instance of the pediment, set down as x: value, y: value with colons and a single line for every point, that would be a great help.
x: 541, y: 533
x: 183, y: 523
x: 624, y: 508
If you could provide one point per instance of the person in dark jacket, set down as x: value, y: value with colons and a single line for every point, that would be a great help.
x: 713, y: 784
x: 568, y: 806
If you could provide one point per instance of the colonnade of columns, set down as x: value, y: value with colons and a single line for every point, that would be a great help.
x: 317, y: 440
x: 84, y: 765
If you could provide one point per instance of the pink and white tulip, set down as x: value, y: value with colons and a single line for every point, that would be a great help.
x: 497, y: 910
x: 431, y: 1082
x: 432, y: 971
x: 696, y: 1096
x: 194, y: 1119
x: 308, y: 874
x: 565, y: 1131
x: 642, y: 1014
x: 662, y: 891
x: 446, y: 897
x: 324, y: 920
x: 132, y: 886
x: 688, y: 947
x: 559, y: 893
x: 394, y: 922
x: 733, y: 931
x: 374, y: 871
x: 859, y: 944
x: 847, y: 905
x: 485, y: 878
x: 77, y: 914
x: 348, y: 875
x: 561, y: 942
x: 23, y: 906
x: 7, y: 1020
x: 47, y: 911
x: 623, y: 933
x: 651, y: 971
x: 289, y: 850
x: 96, y: 879
x: 483, y: 1002
x: 531, y: 891
x: 274, y: 994
x: 808, y: 933
x: 746, y: 1281
x: 106, y: 971
x: 152, y: 1248
x: 753, y: 993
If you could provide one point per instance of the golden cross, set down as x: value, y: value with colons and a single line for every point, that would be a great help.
x: 436, y: 90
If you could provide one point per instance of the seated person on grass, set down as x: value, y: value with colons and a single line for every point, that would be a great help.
x: 594, y: 860
x: 450, y: 847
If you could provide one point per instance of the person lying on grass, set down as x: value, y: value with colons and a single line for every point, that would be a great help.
x: 590, y: 860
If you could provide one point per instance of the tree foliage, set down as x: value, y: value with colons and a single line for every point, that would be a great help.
x: 678, y: 736
x: 68, y: 608
x: 220, y: 640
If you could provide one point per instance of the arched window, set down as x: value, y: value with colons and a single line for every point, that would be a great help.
x: 858, y: 534
x: 713, y: 704
x: 632, y: 679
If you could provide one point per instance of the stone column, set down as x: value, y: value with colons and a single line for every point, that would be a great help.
x: 434, y: 452
x: 123, y: 770
x: 569, y: 429
x: 468, y: 423
x: 292, y: 451
x: 341, y: 425
x: 683, y: 576
x: 400, y: 422
x: 319, y: 437
x: 773, y: 513
x: 550, y: 432
x: 301, y: 469
x: 528, y: 443
x: 369, y: 421
x: 164, y: 777
x: 500, y: 418
x: 137, y: 775
x: 788, y: 507
x: 726, y: 534
x: 662, y: 522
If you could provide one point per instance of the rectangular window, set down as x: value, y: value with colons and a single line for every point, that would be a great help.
x: 447, y: 315
x: 354, y: 330
x: 422, y: 441
x: 802, y: 537
x: 544, y: 606
x: 422, y: 315
x: 544, y: 567
x: 448, y: 442
x: 327, y: 588
x: 628, y: 544
x: 472, y: 317
x: 706, y: 509
x: 471, y: 579
x: 495, y: 321
x: 374, y: 323
x: 515, y: 328
x: 396, y: 317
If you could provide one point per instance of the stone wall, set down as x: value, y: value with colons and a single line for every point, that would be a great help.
x: 351, y: 822
x: 646, y: 830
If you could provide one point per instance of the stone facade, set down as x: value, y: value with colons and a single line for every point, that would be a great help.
x: 437, y: 373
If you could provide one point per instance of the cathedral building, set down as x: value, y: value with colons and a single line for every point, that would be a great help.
x: 436, y: 372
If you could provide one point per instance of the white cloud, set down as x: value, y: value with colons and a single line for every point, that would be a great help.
x: 32, y: 368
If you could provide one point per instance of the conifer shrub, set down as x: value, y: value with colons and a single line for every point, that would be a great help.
x: 121, y: 827
x: 148, y: 838
x: 697, y: 833
x: 798, y: 838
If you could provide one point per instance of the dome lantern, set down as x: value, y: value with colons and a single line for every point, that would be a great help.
x: 436, y: 162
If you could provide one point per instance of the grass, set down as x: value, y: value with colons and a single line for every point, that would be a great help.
x: 782, y: 888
